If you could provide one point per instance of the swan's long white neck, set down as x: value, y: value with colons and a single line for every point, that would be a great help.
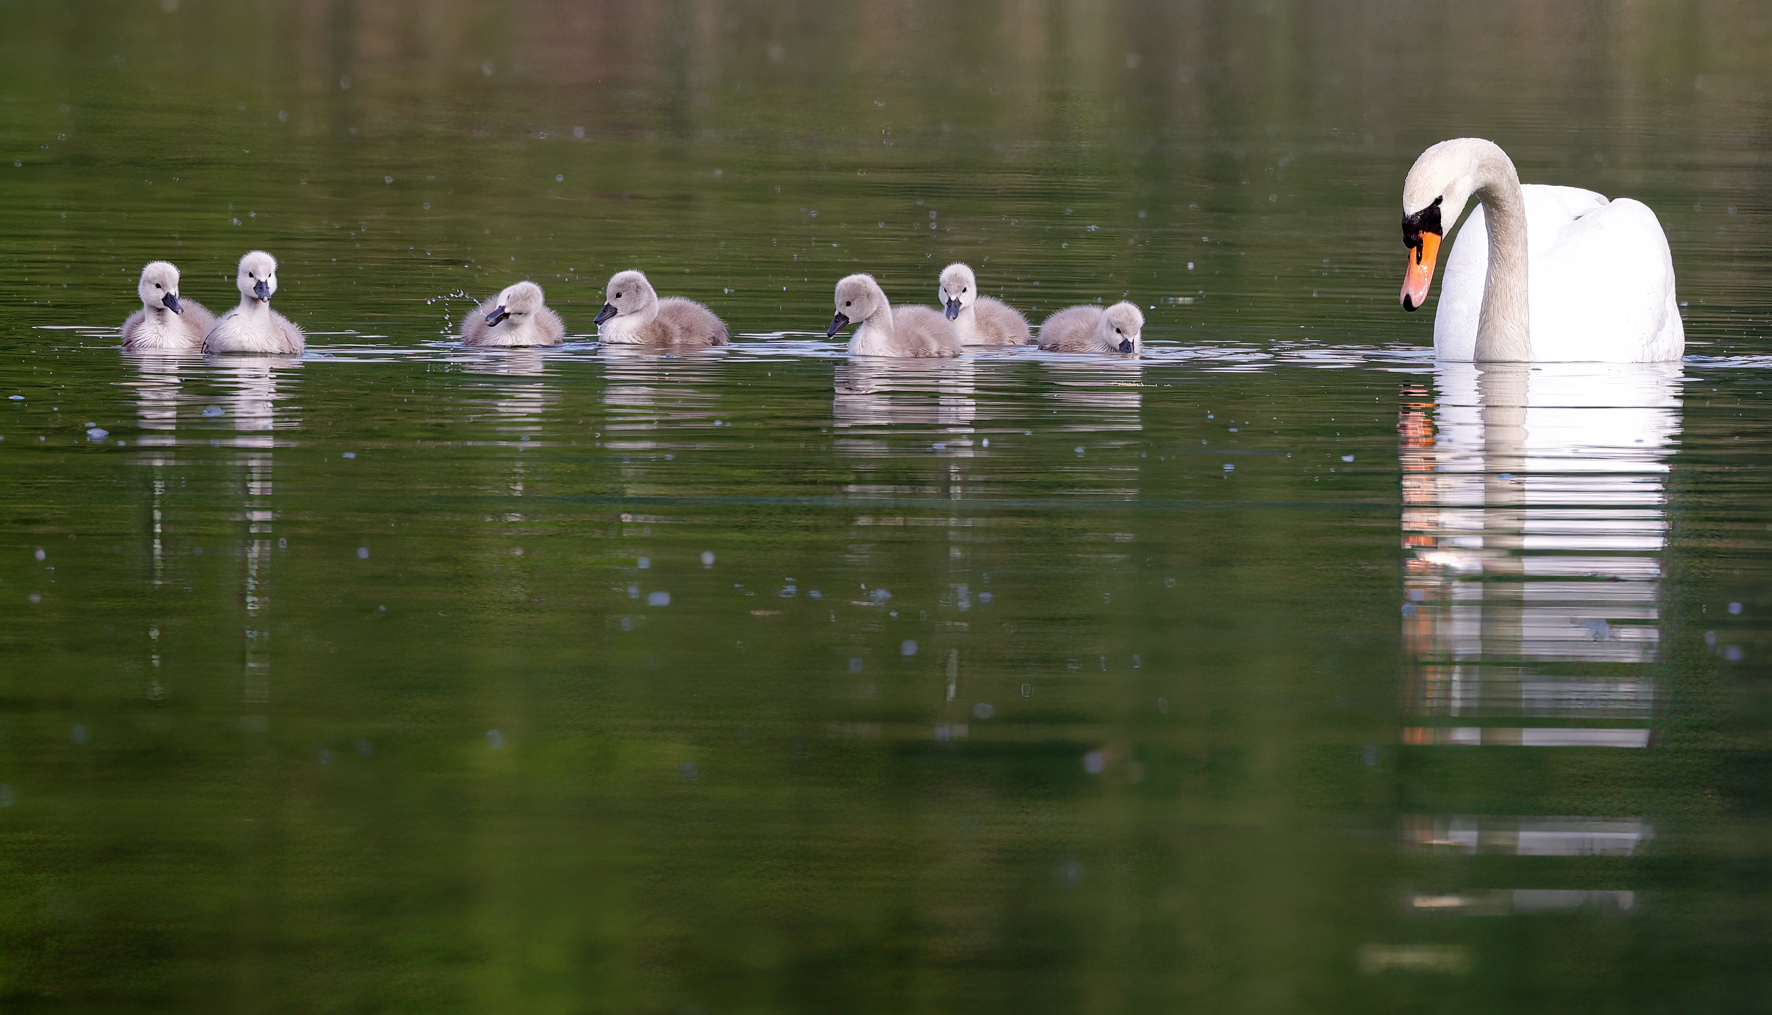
x: 1504, y: 320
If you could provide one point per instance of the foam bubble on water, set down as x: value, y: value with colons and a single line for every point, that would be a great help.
x: 658, y: 599
x: 707, y: 558
x: 1094, y: 762
x: 907, y: 647
x: 495, y: 740
x: 644, y: 563
x: 362, y: 553
x: 983, y: 710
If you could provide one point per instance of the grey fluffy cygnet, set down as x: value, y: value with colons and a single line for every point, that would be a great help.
x: 979, y: 320
x: 906, y: 331
x: 1089, y: 328
x: 166, y: 322
x: 253, y: 326
x: 633, y: 314
x: 519, y: 316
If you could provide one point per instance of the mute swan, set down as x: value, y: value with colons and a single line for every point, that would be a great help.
x: 908, y: 331
x: 517, y: 316
x: 978, y: 320
x: 165, y: 323
x: 633, y: 314
x: 253, y: 326
x: 1569, y: 276
x: 1089, y: 328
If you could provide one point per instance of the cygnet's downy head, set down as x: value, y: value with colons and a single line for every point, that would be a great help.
x: 628, y: 292
x: 517, y: 302
x: 858, y: 298
x: 159, y: 286
x: 258, y: 276
x: 1124, y: 323
x: 959, y: 289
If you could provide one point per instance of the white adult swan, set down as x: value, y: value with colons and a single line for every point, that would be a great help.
x: 1569, y: 276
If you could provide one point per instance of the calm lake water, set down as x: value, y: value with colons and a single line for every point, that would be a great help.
x: 1281, y: 670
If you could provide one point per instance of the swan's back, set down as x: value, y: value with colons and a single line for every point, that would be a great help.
x: 1072, y: 330
x: 998, y: 323
x: 916, y: 332
x: 1599, y: 281
x: 683, y: 321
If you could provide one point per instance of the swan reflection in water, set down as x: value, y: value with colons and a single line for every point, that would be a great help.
x: 1535, y: 521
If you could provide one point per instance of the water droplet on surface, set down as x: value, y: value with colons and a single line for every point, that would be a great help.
x: 643, y: 563
x: 983, y: 710
x: 907, y: 647
x: 495, y: 740
x: 79, y: 733
x: 658, y: 599
x: 348, y: 454
x: 1094, y: 762
x: 707, y: 558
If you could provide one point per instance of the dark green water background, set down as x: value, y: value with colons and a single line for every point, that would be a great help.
x: 404, y: 679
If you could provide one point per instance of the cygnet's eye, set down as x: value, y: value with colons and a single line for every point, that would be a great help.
x: 1117, y: 331
x: 845, y: 302
x: 618, y: 296
x: 158, y: 286
x: 962, y: 288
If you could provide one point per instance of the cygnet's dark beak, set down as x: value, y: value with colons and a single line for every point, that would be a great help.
x: 171, y: 301
x: 838, y: 323
x: 953, y: 309
x: 605, y: 314
x: 497, y: 315
x: 262, y: 291
x: 1125, y: 345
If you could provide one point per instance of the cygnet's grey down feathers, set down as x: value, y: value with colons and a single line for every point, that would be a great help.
x: 909, y: 331
x: 518, y: 316
x: 633, y: 314
x: 978, y: 319
x: 253, y: 326
x: 1089, y: 328
x: 167, y: 321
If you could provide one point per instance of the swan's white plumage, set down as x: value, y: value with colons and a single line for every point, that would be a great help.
x: 978, y: 319
x: 1599, y: 276
x: 909, y: 331
x: 524, y: 319
x: 253, y: 326
x: 156, y: 327
x: 633, y: 314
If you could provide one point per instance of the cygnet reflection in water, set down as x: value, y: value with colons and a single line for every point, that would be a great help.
x: 633, y: 314
x: 519, y: 316
x: 1089, y: 328
x: 167, y: 322
x: 978, y: 319
x: 909, y: 331
x: 253, y: 327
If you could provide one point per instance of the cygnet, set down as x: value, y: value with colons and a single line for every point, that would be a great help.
x: 165, y: 323
x: 979, y: 320
x: 519, y: 316
x: 633, y: 314
x: 1089, y: 328
x: 253, y: 326
x: 907, y: 331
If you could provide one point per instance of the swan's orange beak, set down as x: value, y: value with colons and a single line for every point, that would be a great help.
x: 1418, y: 273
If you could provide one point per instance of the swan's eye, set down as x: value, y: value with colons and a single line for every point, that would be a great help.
x: 158, y: 286
x: 962, y: 288
x: 1117, y: 331
x: 845, y: 302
